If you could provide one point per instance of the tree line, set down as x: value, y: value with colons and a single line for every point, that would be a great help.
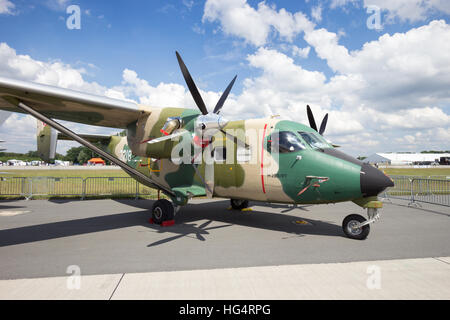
x: 77, y: 155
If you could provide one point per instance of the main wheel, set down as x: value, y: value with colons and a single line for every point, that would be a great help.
x: 238, y: 204
x: 349, y: 223
x: 162, y: 210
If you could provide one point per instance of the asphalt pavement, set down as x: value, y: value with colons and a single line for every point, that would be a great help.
x: 43, y: 238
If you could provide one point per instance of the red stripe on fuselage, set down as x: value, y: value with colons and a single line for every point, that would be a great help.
x: 262, y: 159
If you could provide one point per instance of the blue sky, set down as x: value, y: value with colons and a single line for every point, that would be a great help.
x: 217, y: 40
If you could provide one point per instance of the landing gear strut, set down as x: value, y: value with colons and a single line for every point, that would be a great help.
x: 357, y: 227
x: 162, y: 211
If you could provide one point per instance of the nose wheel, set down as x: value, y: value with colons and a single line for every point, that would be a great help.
x: 357, y: 227
x: 352, y: 227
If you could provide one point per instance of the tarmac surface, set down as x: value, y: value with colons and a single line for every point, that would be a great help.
x: 113, y: 237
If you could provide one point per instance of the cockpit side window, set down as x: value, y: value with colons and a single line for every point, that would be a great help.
x: 314, y: 140
x: 284, y: 142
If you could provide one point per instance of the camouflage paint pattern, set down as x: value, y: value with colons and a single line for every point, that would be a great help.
x: 272, y: 179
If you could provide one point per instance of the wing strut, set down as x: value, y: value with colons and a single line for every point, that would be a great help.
x: 139, y: 176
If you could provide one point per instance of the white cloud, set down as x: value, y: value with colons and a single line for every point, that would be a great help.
x: 301, y: 52
x: 389, y: 95
x: 238, y: 18
x: 403, y: 10
x: 6, y: 7
x: 58, y: 5
x: 54, y: 73
x: 341, y: 3
x: 405, y: 70
x: 316, y: 13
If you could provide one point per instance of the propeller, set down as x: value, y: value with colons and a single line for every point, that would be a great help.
x: 196, y: 94
x: 207, y: 122
x: 312, y: 122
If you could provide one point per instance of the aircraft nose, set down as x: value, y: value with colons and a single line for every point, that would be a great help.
x: 373, y: 181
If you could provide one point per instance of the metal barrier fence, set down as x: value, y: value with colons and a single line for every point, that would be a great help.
x: 420, y: 190
x: 113, y: 186
x: 73, y: 186
x: 13, y: 186
x: 413, y: 189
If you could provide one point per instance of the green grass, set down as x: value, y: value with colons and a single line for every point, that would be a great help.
x: 63, y: 173
x: 417, y: 171
x: 94, y: 188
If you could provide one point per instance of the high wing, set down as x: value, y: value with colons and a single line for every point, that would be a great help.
x: 47, y: 103
x: 64, y: 104
x: 93, y: 138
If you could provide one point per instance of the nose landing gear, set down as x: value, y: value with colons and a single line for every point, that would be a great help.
x: 357, y: 227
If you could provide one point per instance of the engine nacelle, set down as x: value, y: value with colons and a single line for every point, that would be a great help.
x: 207, y: 125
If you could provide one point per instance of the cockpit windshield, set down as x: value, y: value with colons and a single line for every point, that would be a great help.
x: 284, y: 142
x: 314, y: 140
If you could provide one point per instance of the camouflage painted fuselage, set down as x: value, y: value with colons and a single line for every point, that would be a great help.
x: 256, y: 175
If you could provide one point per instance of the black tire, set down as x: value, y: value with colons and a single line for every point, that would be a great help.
x: 238, y: 204
x: 162, y: 210
x: 358, y: 234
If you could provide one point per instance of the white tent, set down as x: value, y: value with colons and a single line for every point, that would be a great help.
x: 404, y: 158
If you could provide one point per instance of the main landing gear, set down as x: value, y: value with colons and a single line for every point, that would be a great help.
x: 357, y: 227
x: 163, y: 211
x: 238, y: 204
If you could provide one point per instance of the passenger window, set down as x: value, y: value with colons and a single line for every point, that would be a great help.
x: 284, y: 142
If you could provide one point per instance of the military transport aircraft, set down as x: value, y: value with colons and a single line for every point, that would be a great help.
x: 186, y: 153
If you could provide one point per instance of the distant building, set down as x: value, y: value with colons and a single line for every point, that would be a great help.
x: 398, y: 159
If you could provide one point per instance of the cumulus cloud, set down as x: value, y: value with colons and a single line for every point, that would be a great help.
x: 405, y: 70
x: 237, y: 17
x: 410, y: 10
x: 341, y: 3
x: 389, y: 95
x: 316, y: 13
x: 401, y: 10
x: 6, y: 7
x: 55, y: 73
x: 397, y: 83
x: 300, y: 52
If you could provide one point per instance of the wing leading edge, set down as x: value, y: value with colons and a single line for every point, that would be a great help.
x: 69, y: 105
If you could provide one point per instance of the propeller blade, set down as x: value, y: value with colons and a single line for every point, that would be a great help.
x: 191, y: 85
x: 312, y: 122
x: 323, y: 125
x: 224, y: 96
